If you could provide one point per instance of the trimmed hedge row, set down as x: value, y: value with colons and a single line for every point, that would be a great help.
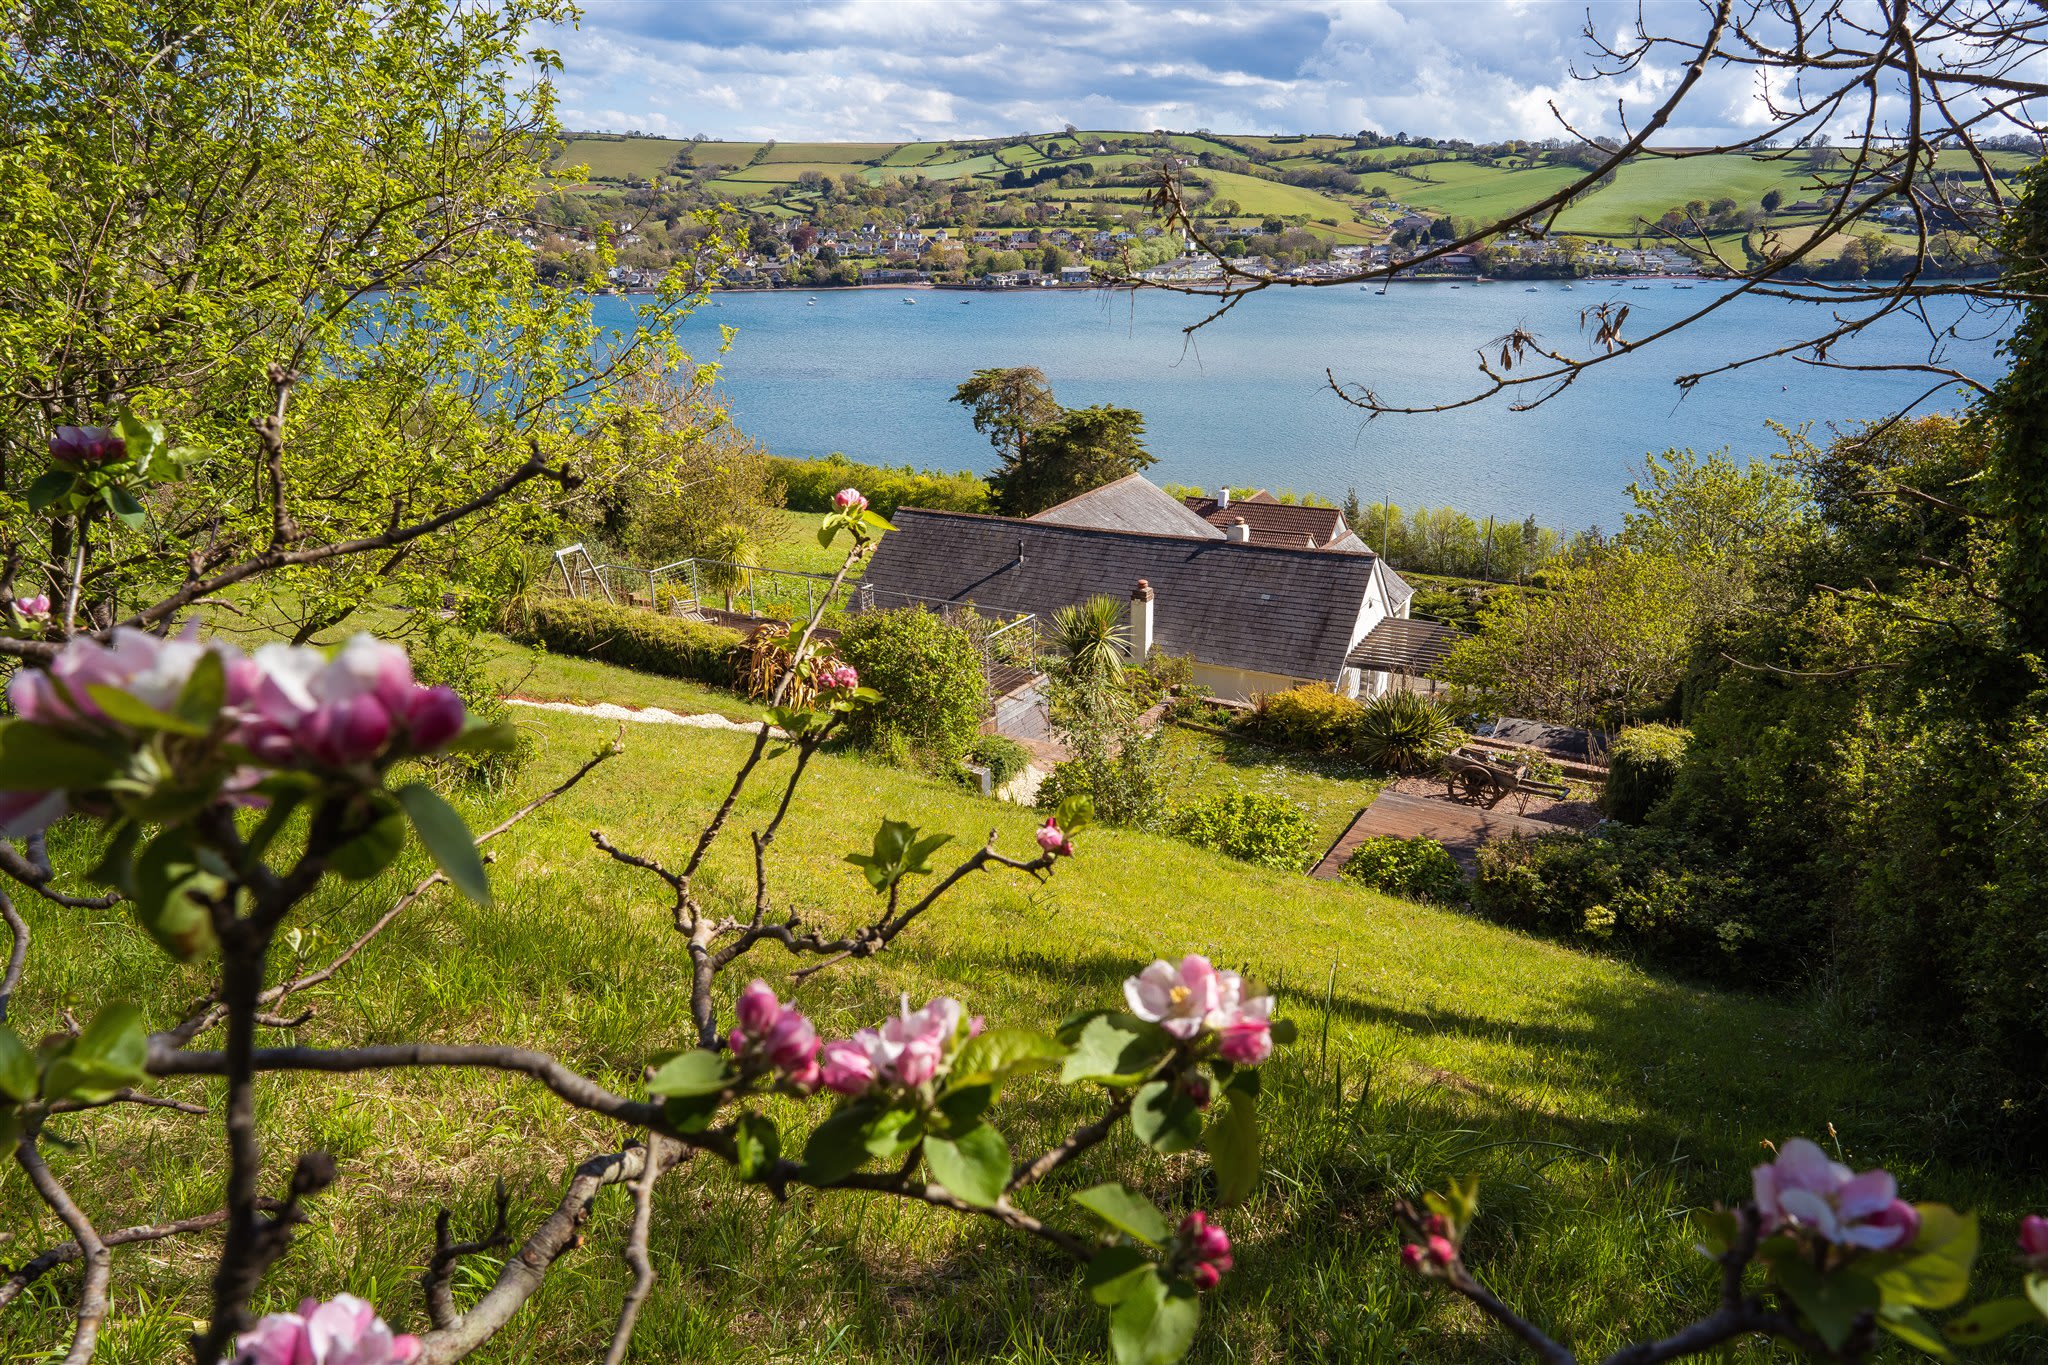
x: 808, y: 486
x: 630, y: 638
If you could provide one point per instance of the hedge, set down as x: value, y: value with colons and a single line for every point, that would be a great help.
x: 631, y: 638
x: 1257, y: 828
x: 1642, y: 769
x: 808, y: 486
x: 1420, y: 869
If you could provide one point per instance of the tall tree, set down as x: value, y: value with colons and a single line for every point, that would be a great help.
x: 1008, y: 405
x: 1082, y: 448
x: 198, y: 197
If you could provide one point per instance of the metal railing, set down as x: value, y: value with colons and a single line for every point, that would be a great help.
x: 785, y: 594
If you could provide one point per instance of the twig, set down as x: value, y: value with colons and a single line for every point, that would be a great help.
x: 436, y: 1283
x: 17, y: 953
x: 637, y: 1259
x: 92, y: 1249
x: 64, y: 1253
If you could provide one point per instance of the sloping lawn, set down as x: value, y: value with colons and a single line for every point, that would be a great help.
x: 1596, y: 1102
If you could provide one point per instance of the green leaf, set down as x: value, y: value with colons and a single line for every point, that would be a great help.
x: 1233, y: 1142
x: 692, y: 1073
x: 106, y: 1057
x: 1718, y: 1229
x: 898, y: 853
x: 838, y: 1146
x: 757, y: 1144
x: 963, y: 1104
x: 974, y: 1165
x: 1165, y: 1118
x: 1155, y: 1323
x: 827, y: 531
x: 1113, y: 1275
x: 201, y: 698
x: 690, y: 1113
x: 1912, y: 1327
x: 378, y: 833
x: 167, y: 884
x: 122, y: 504
x: 998, y: 1052
x: 447, y: 839
x: 1989, y: 1321
x: 1283, y: 1031
x: 1126, y: 1212
x: 49, y: 488
x: 1936, y: 1270
x: 874, y: 521
x: 1118, y: 1049
x: 892, y: 1133
x: 1076, y: 813
x: 1830, y: 1302
x: 2037, y: 1292
x: 484, y: 737
x: 17, y: 1067
x: 33, y: 759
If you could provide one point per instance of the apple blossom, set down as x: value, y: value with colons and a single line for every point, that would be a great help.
x: 836, y: 675
x: 82, y: 446
x: 1053, y: 839
x: 1805, y: 1190
x: 1195, y: 999
x: 25, y: 813
x: 776, y: 1033
x: 1206, y: 1248
x: 2034, y: 1240
x: 343, y: 1331
x: 34, y: 608
x: 846, y: 1067
x: 905, y: 1052
x: 148, y: 667
x: 849, y: 500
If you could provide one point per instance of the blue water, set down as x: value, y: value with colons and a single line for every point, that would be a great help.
x: 1245, y: 400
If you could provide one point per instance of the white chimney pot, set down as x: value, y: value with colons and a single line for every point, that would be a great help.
x: 1240, y: 531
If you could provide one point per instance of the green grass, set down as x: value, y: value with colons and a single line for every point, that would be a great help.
x: 793, y: 544
x: 1596, y: 1102
x: 1258, y: 196
x: 1333, y: 790
x: 837, y: 153
x: 1644, y: 189
x: 1465, y: 190
x: 783, y: 172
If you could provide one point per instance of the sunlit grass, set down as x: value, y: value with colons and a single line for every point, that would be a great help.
x: 1597, y: 1103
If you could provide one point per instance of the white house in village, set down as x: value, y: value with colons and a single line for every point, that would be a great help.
x: 1259, y: 595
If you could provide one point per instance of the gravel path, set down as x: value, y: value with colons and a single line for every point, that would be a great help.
x: 646, y: 715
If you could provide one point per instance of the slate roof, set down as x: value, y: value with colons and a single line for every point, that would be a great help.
x: 1132, y: 503
x: 1278, y: 523
x: 1399, y: 645
x: 1284, y: 611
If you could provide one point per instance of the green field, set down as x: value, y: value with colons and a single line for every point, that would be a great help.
x: 1462, y: 189
x: 621, y: 158
x: 1597, y: 1104
x: 1258, y: 196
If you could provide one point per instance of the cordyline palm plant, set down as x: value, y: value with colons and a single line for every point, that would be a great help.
x: 1405, y: 732
x: 1092, y: 639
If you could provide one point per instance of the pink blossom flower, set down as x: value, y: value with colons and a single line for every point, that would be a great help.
x: 838, y: 676
x: 1804, y: 1189
x: 25, y: 813
x: 433, y: 717
x: 1178, y: 999
x: 345, y: 710
x: 1195, y: 998
x: 1206, y: 1248
x: 1411, y: 1256
x: 2034, y: 1238
x: 35, y: 608
x: 847, y: 1068
x: 343, y: 1331
x: 758, y: 1008
x: 1442, y: 1250
x: 147, y: 667
x: 83, y: 446
x: 792, y: 1043
x: 849, y: 500
x: 1053, y: 839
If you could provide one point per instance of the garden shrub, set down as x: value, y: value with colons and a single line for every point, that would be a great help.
x: 446, y: 654
x: 1308, y: 717
x: 1651, y: 890
x: 1128, y: 781
x: 1419, y: 869
x: 1642, y: 769
x: 1002, y: 756
x: 808, y: 486
x: 1406, y: 732
x: 929, y: 675
x: 1260, y: 829
x: 630, y: 638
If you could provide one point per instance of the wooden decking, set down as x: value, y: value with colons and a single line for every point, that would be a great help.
x: 1459, y: 828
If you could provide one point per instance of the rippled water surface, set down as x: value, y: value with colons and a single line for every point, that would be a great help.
x: 1245, y: 401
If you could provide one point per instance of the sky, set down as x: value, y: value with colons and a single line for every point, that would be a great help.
x: 901, y: 70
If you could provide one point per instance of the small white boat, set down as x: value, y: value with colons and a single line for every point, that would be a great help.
x: 1530, y: 290
x: 1567, y: 289
x: 965, y: 302
x: 911, y: 302
x: 810, y: 303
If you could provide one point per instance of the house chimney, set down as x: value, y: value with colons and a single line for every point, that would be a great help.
x: 1223, y: 497
x: 1139, y: 645
x: 1239, y: 531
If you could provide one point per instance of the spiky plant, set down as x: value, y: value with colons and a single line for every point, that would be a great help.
x: 1406, y: 732
x: 1092, y: 638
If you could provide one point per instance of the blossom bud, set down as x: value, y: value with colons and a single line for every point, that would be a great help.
x: 1246, y: 1042
x: 1411, y: 1256
x: 33, y: 608
x: 1442, y: 1250
x: 807, y: 1077
x: 1196, y: 1088
x: 846, y: 1067
x: 434, y: 715
x: 1205, y: 1276
x: 849, y: 500
x: 86, y: 446
x: 1193, y: 1223
x: 758, y: 1009
x: 1053, y: 839
x: 2034, y: 1236
x: 1436, y: 1225
x: 347, y: 732
x: 1212, y: 1244
x: 792, y: 1042
x: 975, y: 1024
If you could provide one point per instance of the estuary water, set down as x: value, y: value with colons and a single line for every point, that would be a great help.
x: 1245, y: 401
